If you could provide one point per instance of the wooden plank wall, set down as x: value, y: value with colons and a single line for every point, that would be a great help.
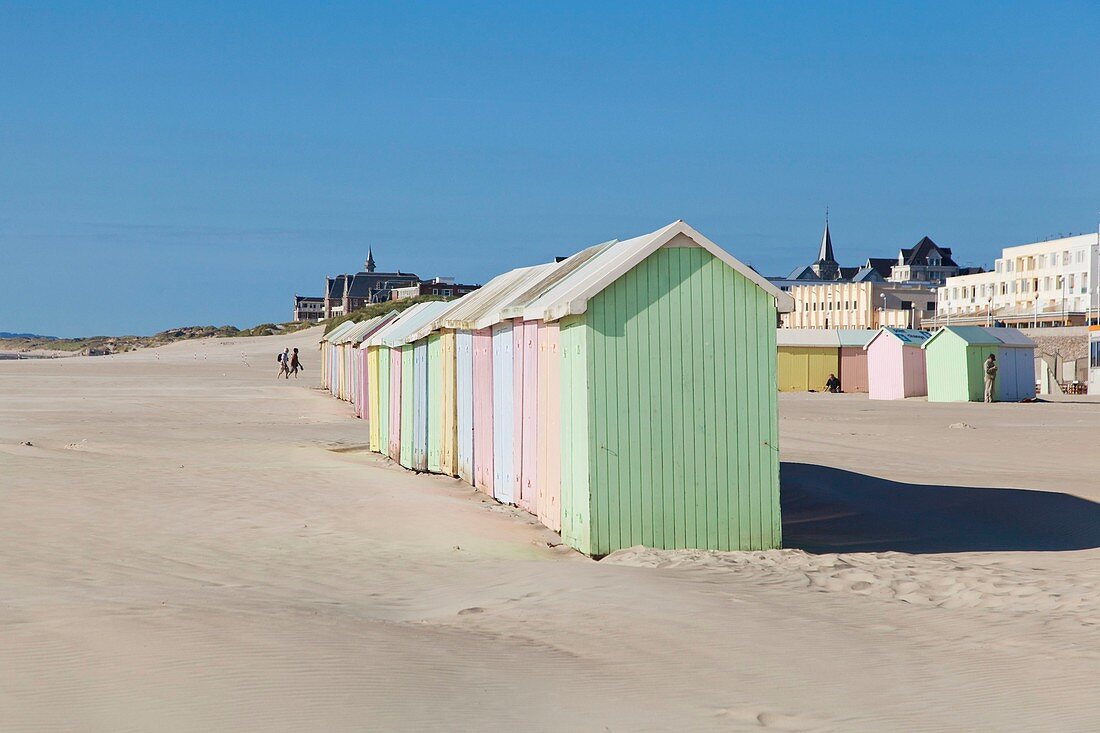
x: 433, y: 407
x: 408, y: 388
x: 383, y: 400
x: 548, y: 461
x: 464, y: 405
x: 483, y: 410
x: 529, y: 443
x: 682, y: 408
x: 372, y: 402
x: 448, y: 407
x: 394, y: 451
x: 577, y: 506
x: 519, y: 372
x: 503, y: 426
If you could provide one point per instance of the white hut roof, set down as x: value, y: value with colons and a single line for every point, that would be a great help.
x: 415, y: 318
x: 333, y: 335
x: 813, y: 337
x: 354, y: 332
x: 372, y: 326
x: 561, y: 271
x: 571, y: 295
x: 472, y: 308
x: 377, y: 338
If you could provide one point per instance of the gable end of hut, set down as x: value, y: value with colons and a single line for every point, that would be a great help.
x: 680, y: 417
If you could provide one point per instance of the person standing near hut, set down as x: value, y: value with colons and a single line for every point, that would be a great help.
x: 295, y: 365
x: 990, y: 376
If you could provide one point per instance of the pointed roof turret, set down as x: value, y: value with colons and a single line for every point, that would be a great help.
x: 826, y: 252
x: 370, y: 259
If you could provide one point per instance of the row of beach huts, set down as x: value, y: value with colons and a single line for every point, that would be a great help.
x: 624, y: 395
x: 896, y: 363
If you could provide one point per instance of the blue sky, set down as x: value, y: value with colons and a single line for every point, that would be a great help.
x: 166, y: 164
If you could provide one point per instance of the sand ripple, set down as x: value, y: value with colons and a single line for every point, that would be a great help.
x: 949, y: 582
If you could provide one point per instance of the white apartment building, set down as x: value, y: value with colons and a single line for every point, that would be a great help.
x: 1042, y: 284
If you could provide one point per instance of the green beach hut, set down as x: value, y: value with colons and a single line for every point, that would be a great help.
x: 669, y: 419
x: 955, y: 361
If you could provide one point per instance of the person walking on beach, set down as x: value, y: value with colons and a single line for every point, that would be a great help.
x: 990, y: 376
x: 295, y: 365
x: 284, y: 363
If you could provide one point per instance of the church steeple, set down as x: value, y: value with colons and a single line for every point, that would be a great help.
x: 370, y: 259
x: 826, y: 253
x: 826, y: 267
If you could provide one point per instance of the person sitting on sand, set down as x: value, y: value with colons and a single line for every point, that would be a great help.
x: 832, y: 384
x: 284, y: 364
x: 295, y: 365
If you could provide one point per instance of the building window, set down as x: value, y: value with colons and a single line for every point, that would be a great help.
x: 1080, y: 256
x: 446, y: 292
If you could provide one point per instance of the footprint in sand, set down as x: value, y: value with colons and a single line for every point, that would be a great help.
x: 772, y: 720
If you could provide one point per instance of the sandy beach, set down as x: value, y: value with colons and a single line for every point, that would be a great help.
x: 190, y: 544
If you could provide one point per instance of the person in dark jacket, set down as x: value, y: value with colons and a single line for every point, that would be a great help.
x: 295, y: 365
x: 832, y: 384
x: 990, y: 377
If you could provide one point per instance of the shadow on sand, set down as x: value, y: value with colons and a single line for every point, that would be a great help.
x: 830, y: 510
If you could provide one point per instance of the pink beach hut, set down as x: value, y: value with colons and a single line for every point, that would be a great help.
x: 895, y: 364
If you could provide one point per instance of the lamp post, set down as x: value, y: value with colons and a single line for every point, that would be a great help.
x: 882, y: 320
x: 1093, y: 276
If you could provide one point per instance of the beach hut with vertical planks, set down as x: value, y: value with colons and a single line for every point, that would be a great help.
x: 853, y: 358
x: 362, y: 377
x: 509, y: 370
x: 474, y: 403
x: 955, y: 358
x: 517, y: 444
x: 464, y: 408
x: 327, y: 346
x: 346, y: 352
x: 895, y: 364
x: 383, y: 355
x: 669, y: 424
x: 806, y: 358
x: 414, y: 406
x: 625, y: 395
